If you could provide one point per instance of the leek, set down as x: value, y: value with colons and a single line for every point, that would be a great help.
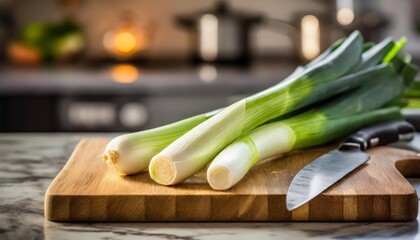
x: 330, y: 122
x: 196, y: 148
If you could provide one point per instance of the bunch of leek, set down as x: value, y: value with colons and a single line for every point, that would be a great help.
x: 332, y: 121
x: 182, y: 148
x: 196, y: 148
x: 131, y: 153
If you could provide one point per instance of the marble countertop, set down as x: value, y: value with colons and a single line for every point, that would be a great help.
x: 29, y: 162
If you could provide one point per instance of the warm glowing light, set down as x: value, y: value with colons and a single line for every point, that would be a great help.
x: 345, y: 11
x: 125, y: 42
x: 207, y: 73
x: 124, y: 73
x: 208, y: 38
x: 345, y: 16
x: 310, y: 37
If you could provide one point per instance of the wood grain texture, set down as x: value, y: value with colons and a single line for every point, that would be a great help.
x: 86, y: 190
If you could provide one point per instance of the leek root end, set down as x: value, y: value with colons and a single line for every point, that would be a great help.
x: 219, y: 178
x: 162, y: 170
x: 110, y: 157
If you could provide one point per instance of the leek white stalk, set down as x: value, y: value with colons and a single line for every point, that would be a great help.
x: 131, y: 153
x: 195, y: 149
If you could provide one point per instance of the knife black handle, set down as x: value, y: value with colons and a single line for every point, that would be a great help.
x: 381, y: 134
x: 413, y: 116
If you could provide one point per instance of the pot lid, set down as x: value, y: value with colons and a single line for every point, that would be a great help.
x: 223, y: 10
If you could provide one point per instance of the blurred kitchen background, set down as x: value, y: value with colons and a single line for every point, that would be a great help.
x: 126, y: 65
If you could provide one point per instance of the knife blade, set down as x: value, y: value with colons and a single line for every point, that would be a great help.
x: 326, y: 170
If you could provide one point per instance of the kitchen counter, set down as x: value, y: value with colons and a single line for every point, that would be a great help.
x: 118, y: 79
x: 29, y: 162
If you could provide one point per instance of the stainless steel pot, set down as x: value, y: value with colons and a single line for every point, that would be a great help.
x: 220, y: 34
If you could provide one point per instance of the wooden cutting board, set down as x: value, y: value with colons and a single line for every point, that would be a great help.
x: 87, y: 190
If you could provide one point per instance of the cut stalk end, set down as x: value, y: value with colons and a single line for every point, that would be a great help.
x: 110, y: 157
x: 219, y: 178
x: 162, y: 170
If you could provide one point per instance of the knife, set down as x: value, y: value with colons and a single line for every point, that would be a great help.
x: 324, y: 171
